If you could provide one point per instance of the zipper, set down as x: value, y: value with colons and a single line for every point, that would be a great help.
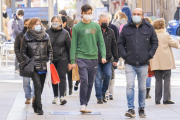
x: 136, y: 47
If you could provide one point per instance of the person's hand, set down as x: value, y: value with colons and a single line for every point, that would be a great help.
x: 69, y: 67
x: 178, y: 41
x: 114, y: 63
x: 104, y: 61
x: 73, y: 65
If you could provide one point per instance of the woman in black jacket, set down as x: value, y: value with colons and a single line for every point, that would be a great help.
x: 36, y: 44
x: 61, y: 44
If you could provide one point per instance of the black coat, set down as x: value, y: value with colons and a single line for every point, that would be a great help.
x: 41, y: 50
x: 61, y: 44
x: 138, y: 45
x: 111, y: 46
x: 17, y: 46
x: 115, y: 29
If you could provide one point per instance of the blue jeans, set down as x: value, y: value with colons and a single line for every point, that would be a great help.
x: 131, y: 72
x: 148, y: 82
x: 101, y: 86
x: 27, y: 88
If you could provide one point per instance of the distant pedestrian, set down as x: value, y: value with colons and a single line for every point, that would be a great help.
x: 5, y: 22
x: 162, y: 62
x: 85, y: 38
x: 60, y: 41
x: 36, y: 44
x: 26, y: 81
x: 116, y: 16
x: 103, y: 75
x: 70, y: 21
x: 127, y: 11
x: 138, y: 44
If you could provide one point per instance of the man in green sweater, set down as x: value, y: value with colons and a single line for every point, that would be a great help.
x: 85, y: 38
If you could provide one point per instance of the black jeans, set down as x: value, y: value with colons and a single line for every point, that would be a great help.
x: 69, y: 73
x: 61, y: 67
x: 38, y: 81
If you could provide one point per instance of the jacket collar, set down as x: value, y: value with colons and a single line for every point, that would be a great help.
x: 29, y: 37
x: 160, y: 30
x: 105, y: 31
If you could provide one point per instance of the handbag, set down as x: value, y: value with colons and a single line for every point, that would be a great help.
x: 54, y: 75
x: 75, y: 74
x: 27, y: 68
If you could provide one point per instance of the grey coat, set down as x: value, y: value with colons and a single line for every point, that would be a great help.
x: 120, y: 22
x: 17, y: 26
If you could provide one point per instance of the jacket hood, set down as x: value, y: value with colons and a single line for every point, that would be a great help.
x: 125, y: 7
x: 160, y: 30
x: 122, y: 21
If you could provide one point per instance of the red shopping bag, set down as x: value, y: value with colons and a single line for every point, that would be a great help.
x: 54, y: 75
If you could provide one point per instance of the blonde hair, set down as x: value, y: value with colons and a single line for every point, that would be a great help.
x: 159, y: 23
x: 116, y: 14
x: 148, y: 19
x: 122, y: 15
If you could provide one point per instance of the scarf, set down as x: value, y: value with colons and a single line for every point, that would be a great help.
x: 5, y: 15
x: 38, y: 35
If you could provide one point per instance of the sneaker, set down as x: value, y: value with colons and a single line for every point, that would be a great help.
x: 83, y: 108
x: 107, y: 98
x: 70, y: 91
x: 16, y: 71
x: 99, y: 101
x: 40, y: 111
x: 104, y: 98
x: 55, y: 100
x: 62, y: 101
x: 28, y: 101
x: 33, y: 99
x: 142, y: 113
x: 87, y: 110
x: 111, y: 97
x: 75, y: 87
x: 130, y: 113
x: 158, y: 102
x: 168, y: 102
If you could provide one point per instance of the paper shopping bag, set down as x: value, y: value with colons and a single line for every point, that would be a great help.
x: 54, y: 75
x: 75, y: 74
x: 150, y: 73
x: 48, y: 74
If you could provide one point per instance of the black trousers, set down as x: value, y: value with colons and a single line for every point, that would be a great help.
x: 61, y: 67
x: 38, y: 81
x: 161, y: 75
x: 69, y: 73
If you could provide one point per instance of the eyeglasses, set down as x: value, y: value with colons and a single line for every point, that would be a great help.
x: 137, y: 14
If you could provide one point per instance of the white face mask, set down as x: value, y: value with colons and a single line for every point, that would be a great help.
x: 4, y: 11
x: 87, y: 17
x: 20, y: 18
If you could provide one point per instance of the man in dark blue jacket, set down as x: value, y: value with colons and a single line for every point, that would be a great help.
x: 138, y: 44
x: 127, y: 11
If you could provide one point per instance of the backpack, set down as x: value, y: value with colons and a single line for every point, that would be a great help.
x: 120, y: 28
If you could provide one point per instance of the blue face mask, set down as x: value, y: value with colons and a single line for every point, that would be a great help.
x: 38, y: 28
x: 136, y: 19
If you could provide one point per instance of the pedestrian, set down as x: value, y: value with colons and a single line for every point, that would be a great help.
x: 104, y: 69
x: 60, y: 41
x: 36, y: 45
x: 70, y: 21
x: 85, y: 38
x: 122, y: 20
x: 5, y: 22
x: 148, y: 79
x: 116, y: 16
x: 109, y: 93
x: 162, y: 62
x: 127, y: 11
x: 17, y: 28
x: 138, y: 44
x: 26, y: 81
x: 69, y: 71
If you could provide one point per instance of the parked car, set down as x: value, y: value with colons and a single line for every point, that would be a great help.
x: 173, y: 27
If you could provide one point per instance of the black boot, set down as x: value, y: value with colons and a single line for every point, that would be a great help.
x: 147, y: 93
x: 104, y: 98
x: 35, y: 106
x: 70, y: 91
x: 40, y: 111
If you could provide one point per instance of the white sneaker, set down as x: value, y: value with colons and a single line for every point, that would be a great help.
x: 16, y: 71
x: 83, y: 108
x: 55, y: 100
x: 62, y: 101
x: 87, y: 110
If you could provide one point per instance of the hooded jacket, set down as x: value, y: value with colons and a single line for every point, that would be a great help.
x: 127, y: 11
